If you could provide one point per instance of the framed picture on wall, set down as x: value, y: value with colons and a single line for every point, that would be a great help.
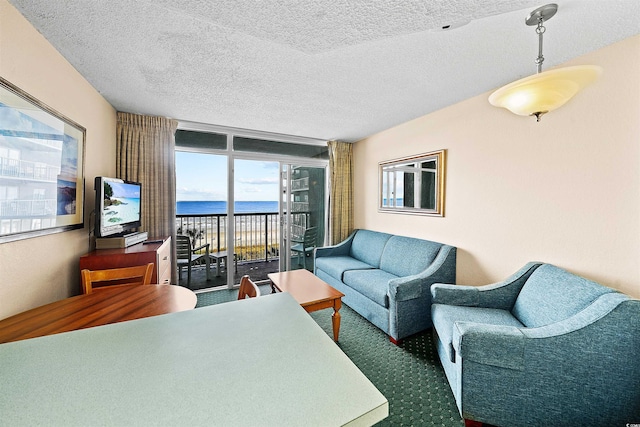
x: 41, y: 168
x: 413, y: 185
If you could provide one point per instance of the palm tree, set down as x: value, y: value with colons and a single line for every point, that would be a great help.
x: 193, y: 233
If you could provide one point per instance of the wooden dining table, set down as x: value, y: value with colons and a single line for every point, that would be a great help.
x: 117, y: 304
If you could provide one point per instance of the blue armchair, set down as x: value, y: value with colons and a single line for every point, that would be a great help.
x: 544, y: 347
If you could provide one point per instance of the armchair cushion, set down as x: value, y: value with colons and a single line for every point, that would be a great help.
x: 445, y: 318
x: 552, y: 294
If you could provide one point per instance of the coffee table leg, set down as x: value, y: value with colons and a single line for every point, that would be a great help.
x: 335, y: 319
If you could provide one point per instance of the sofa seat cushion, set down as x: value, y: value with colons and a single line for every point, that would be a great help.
x: 335, y: 266
x: 373, y: 284
x: 444, y: 316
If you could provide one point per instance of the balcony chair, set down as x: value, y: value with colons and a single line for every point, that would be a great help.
x: 247, y: 288
x: 306, y: 246
x: 139, y: 275
x: 188, y: 256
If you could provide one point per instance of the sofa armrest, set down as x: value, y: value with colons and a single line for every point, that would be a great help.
x: 406, y: 288
x: 442, y: 293
x: 341, y: 248
x: 495, y: 345
x: 504, y: 346
x: 497, y: 295
x: 585, y: 319
x: 441, y: 269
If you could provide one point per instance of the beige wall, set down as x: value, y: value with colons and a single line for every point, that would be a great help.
x: 564, y: 191
x: 44, y: 269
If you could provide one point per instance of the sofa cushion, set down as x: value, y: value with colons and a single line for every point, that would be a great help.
x: 367, y: 246
x: 406, y: 256
x: 552, y: 294
x: 444, y: 316
x: 373, y: 284
x: 335, y: 266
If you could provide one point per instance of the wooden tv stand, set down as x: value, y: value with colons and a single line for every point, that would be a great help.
x: 158, y: 253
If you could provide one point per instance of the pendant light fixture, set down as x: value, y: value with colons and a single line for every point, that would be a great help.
x: 545, y: 91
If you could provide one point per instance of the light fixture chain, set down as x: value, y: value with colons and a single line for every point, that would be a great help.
x: 540, y: 29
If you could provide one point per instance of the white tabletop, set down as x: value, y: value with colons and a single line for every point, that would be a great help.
x: 190, y: 368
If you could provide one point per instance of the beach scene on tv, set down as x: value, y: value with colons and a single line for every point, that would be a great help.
x: 121, y: 203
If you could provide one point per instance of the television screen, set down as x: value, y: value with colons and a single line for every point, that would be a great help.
x: 117, y: 206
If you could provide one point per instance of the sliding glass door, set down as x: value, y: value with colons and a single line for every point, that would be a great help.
x: 303, y: 194
x: 255, y: 218
x: 201, y: 212
x: 269, y: 195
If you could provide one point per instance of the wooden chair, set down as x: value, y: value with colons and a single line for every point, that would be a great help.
x: 139, y: 275
x: 187, y: 256
x: 248, y: 288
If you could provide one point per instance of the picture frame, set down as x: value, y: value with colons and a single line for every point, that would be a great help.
x: 41, y: 168
x: 413, y: 184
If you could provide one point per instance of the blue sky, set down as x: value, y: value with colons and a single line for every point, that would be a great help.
x: 125, y: 191
x: 204, y: 177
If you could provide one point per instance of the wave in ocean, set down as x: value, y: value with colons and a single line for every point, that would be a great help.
x: 220, y: 207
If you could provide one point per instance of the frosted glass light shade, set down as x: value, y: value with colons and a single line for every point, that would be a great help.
x: 544, y: 92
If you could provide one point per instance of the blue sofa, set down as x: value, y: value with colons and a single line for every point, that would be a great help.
x: 387, y: 278
x: 543, y: 348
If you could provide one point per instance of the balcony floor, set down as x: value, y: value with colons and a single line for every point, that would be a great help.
x: 257, y: 270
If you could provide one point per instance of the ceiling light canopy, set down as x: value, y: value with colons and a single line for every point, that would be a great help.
x: 545, y: 91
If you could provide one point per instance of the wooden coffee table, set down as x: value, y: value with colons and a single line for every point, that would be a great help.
x: 311, y: 293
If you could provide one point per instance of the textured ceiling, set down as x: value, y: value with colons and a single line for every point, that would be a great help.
x: 340, y: 69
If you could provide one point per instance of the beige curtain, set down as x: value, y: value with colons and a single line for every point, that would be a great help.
x: 341, y: 190
x: 146, y: 153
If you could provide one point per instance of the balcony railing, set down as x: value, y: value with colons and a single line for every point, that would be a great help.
x: 28, y: 208
x: 15, y: 168
x: 256, y: 235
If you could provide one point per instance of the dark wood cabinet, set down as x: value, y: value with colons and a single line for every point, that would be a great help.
x: 158, y: 253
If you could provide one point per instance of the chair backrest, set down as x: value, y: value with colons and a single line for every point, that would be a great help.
x: 310, y: 237
x: 183, y: 246
x: 139, y: 275
x: 248, y: 288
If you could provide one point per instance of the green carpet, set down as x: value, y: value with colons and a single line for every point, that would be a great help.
x: 409, y: 376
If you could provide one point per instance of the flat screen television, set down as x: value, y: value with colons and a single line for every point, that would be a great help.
x: 118, y: 206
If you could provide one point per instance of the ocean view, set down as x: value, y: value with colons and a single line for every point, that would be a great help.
x: 220, y: 207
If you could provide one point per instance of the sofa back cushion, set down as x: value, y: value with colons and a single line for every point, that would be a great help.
x: 552, y: 294
x: 404, y: 256
x: 367, y: 246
